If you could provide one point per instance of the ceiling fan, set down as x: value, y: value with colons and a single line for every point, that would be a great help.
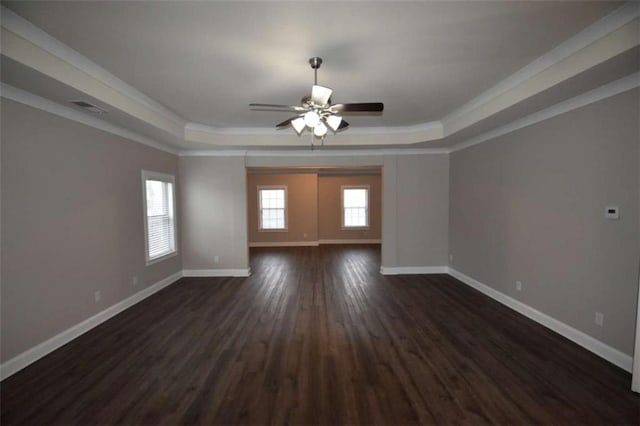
x: 316, y: 111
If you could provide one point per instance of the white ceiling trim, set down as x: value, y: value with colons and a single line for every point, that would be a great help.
x: 195, y: 132
x: 611, y: 89
x: 26, y: 30
x: 604, y: 49
x: 612, y: 22
x: 431, y: 127
x: 32, y: 56
x: 34, y: 101
x: 318, y: 152
x: 31, y: 46
x: 613, y: 34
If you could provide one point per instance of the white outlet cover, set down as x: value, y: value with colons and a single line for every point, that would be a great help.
x: 97, y: 296
x: 612, y: 212
x: 599, y: 318
x: 519, y: 285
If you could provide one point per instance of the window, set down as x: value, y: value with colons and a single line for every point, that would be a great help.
x: 159, y: 215
x: 272, y: 202
x: 355, y: 206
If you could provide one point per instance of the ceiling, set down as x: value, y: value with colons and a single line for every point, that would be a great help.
x: 204, y: 62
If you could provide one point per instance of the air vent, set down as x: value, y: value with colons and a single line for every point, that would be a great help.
x: 89, y: 107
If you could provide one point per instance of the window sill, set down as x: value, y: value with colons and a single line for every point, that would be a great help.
x: 161, y: 258
x: 355, y: 228
x: 274, y: 230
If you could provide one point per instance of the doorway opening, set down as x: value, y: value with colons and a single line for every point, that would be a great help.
x: 312, y: 207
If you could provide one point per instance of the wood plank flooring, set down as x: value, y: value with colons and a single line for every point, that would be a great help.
x: 317, y: 336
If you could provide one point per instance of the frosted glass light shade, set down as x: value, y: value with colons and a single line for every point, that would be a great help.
x: 320, y: 95
x: 334, y: 121
x: 311, y: 119
x: 298, y: 124
x: 320, y: 130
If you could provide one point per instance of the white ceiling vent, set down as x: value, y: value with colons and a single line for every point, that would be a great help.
x: 87, y: 106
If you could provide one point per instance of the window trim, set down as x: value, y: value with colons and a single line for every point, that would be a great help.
x: 286, y: 208
x: 167, y: 178
x: 354, y: 228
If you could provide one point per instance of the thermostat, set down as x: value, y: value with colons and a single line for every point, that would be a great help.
x: 612, y: 212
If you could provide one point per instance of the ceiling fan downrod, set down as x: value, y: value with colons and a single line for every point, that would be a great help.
x: 316, y: 112
x: 315, y: 63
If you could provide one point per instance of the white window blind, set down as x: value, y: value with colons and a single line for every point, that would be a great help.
x: 273, y: 206
x: 355, y: 207
x: 159, y: 215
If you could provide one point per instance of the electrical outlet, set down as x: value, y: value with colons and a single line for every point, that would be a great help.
x: 450, y: 258
x: 304, y: 235
x: 134, y: 280
x: 519, y: 285
x: 216, y: 259
x: 599, y: 319
x: 612, y: 212
x: 97, y: 295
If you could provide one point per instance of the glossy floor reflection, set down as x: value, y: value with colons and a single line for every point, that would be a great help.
x: 317, y: 336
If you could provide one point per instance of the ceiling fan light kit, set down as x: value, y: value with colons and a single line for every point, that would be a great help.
x: 333, y: 121
x: 298, y: 125
x: 311, y: 119
x: 316, y: 112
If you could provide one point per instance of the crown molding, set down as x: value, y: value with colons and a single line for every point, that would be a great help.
x: 496, y: 100
x: 604, y: 39
x: 434, y: 127
x: 315, y: 153
x: 34, y: 101
x: 31, y: 46
x: 44, y: 47
x: 196, y: 132
x: 615, y: 20
x: 608, y: 90
x: 622, y: 85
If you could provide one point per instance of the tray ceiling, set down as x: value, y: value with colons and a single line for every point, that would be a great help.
x: 206, y: 61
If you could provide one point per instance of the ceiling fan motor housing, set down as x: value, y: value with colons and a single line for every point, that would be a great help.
x: 315, y: 62
x: 316, y: 111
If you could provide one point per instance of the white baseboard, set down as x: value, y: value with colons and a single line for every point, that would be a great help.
x: 413, y: 270
x: 315, y: 243
x: 351, y: 241
x: 216, y: 272
x: 599, y: 348
x: 30, y: 356
x: 286, y: 244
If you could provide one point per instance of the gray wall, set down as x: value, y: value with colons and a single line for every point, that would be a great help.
x: 214, y: 212
x: 72, y: 223
x: 414, y: 206
x: 415, y: 210
x: 529, y: 206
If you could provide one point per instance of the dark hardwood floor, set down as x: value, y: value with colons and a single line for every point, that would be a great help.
x: 318, y: 336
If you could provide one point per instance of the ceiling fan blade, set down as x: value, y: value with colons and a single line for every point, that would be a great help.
x: 343, y: 125
x: 358, y: 107
x: 274, y: 107
x: 285, y: 123
x: 320, y: 95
